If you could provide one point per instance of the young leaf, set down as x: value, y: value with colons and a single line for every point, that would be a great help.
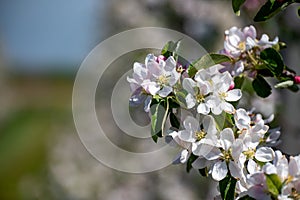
x: 275, y: 180
x: 227, y: 187
x: 170, y: 49
x: 174, y: 120
x: 203, y: 172
x: 239, y: 81
x: 191, y: 71
x: 157, y: 115
x: 272, y: 186
x: 209, y: 60
x: 236, y: 4
x: 294, y: 88
x: 246, y: 198
x: 189, y: 162
x: 271, y: 8
x: 273, y: 61
x: 261, y: 86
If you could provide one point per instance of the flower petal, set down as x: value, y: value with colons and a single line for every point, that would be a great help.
x: 219, y: 171
x: 264, y: 154
x: 188, y: 84
x: 233, y: 95
x: 227, y: 138
x: 203, y: 108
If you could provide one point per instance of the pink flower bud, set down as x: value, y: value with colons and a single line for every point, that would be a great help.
x: 160, y: 57
x: 297, y: 79
x: 232, y: 85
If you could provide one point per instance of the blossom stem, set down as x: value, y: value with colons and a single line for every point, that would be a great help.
x: 165, y: 117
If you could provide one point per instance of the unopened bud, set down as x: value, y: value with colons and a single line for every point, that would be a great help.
x: 232, y: 85
x: 297, y: 79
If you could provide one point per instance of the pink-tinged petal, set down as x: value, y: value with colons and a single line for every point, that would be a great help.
x: 250, y: 31
x: 154, y: 69
x: 234, y: 40
x: 238, y: 68
x: 203, y: 108
x: 150, y: 58
x: 264, y: 154
x: 150, y: 87
x: 227, y: 138
x: 234, y: 95
x: 258, y: 192
x: 250, y: 43
x: 219, y: 171
x: 190, y: 101
x: 188, y: 84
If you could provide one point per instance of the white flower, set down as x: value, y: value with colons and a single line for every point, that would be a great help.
x: 222, y: 94
x: 238, y: 41
x: 228, y: 151
x: 163, y: 76
x: 197, y: 91
x: 156, y: 76
x: 192, y: 134
x: 254, y: 127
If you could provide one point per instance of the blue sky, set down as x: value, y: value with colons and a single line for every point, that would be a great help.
x: 38, y: 33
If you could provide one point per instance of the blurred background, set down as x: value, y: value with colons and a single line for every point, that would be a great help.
x: 42, y: 44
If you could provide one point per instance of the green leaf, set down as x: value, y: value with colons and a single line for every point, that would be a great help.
x: 261, y: 86
x: 239, y: 81
x: 275, y: 180
x: 236, y: 4
x: 227, y: 187
x: 180, y: 97
x: 294, y: 88
x: 189, y: 162
x: 274, y: 184
x: 170, y: 49
x: 174, y: 120
x: 273, y: 61
x: 209, y: 60
x: 157, y: 116
x: 299, y: 12
x: 271, y: 8
x: 203, y: 172
x: 246, y: 198
x: 191, y: 71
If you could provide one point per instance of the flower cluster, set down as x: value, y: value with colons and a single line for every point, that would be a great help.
x: 244, y: 47
x: 215, y: 135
